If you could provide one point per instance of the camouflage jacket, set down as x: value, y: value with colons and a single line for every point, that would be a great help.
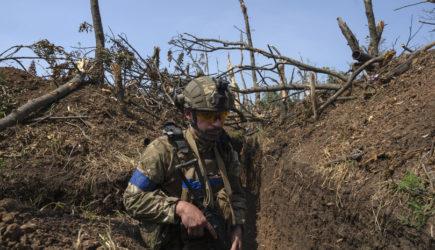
x: 155, y: 186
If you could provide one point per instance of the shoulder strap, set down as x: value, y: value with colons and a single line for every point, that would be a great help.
x: 208, y: 201
x: 227, y: 185
x: 175, y: 134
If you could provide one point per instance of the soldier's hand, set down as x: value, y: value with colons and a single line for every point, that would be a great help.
x: 194, y: 220
x: 236, y: 238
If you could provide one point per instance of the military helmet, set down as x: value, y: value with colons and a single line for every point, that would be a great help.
x: 208, y: 94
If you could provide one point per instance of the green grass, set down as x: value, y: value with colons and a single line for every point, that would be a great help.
x: 420, y: 201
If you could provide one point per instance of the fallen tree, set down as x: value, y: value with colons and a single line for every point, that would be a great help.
x: 31, y: 106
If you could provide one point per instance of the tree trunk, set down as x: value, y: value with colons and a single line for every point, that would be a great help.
x: 233, y: 82
x: 284, y: 94
x: 22, y: 112
x: 282, y: 80
x: 313, y: 95
x: 375, y: 30
x: 251, y: 53
x: 99, y: 41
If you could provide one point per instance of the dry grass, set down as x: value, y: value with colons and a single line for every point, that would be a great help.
x: 107, y: 240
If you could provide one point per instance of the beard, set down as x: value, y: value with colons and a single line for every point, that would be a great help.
x: 213, y: 132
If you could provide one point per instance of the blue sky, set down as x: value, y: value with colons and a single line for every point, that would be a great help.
x: 306, y: 29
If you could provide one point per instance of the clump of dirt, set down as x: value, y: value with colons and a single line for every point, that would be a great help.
x: 331, y: 183
x: 313, y: 196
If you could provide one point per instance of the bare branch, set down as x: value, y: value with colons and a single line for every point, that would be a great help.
x: 349, y: 82
x: 406, y: 48
x: 251, y: 53
x: 350, y: 37
x: 287, y: 87
x: 409, y: 5
x: 226, y: 45
x: 375, y: 29
x: 426, y: 22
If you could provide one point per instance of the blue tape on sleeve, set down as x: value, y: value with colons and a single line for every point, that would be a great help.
x: 195, y: 184
x: 142, y: 181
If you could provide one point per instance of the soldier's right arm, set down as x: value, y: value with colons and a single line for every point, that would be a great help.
x: 143, y: 198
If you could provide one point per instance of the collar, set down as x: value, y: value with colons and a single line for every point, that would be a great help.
x: 203, y: 144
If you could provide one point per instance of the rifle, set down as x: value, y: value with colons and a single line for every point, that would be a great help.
x: 215, y: 219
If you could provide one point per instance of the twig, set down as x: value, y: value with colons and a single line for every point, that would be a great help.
x: 79, y: 239
x: 409, y: 5
x: 83, y: 132
x: 429, y: 178
x: 58, y: 117
x: 287, y: 87
x: 345, y: 98
x: 144, y: 109
x: 69, y: 156
x: 354, y: 156
x: 285, y: 97
x: 426, y: 22
x: 432, y: 148
x: 406, y: 48
x: 252, y: 132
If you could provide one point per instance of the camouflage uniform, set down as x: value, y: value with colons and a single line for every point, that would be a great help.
x: 155, y: 188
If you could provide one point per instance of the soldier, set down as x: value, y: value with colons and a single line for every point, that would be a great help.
x: 200, y: 205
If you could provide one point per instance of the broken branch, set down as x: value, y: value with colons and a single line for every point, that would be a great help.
x: 286, y: 87
x: 349, y: 82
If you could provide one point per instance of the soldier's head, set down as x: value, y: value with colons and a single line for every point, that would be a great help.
x: 206, y: 104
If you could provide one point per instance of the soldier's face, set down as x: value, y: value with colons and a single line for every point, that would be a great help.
x: 210, y: 128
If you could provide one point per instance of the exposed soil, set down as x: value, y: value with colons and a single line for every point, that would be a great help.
x: 305, y: 204
x: 63, y: 172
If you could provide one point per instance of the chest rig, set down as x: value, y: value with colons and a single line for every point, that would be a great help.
x: 186, y: 145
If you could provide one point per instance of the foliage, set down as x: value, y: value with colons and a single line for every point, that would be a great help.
x: 420, y: 201
x: 268, y: 100
x: 85, y: 27
x: 7, y: 104
x: 55, y: 204
x: 331, y: 78
x: 411, y: 183
x: 32, y: 68
x: 48, y: 51
x: 37, y: 202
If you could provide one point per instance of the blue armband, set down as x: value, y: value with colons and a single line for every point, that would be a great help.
x: 142, y: 181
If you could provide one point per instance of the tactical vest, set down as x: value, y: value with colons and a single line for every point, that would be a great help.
x: 214, y: 189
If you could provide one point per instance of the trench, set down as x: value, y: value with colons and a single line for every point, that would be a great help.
x: 290, y: 205
x: 250, y: 158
